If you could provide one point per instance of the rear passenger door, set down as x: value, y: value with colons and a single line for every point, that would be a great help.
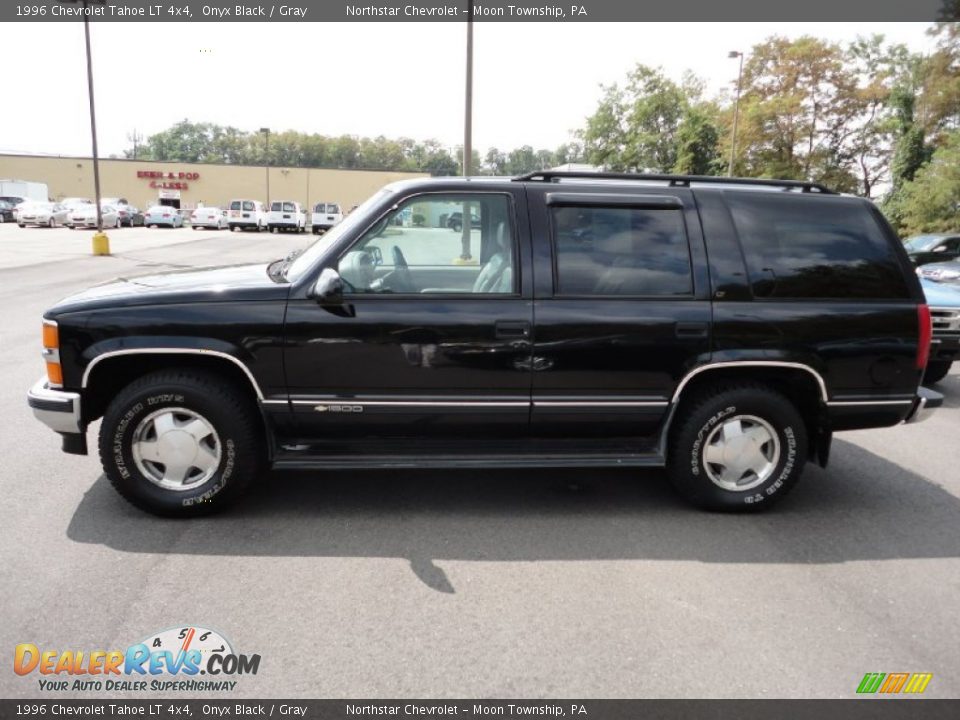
x: 621, y: 308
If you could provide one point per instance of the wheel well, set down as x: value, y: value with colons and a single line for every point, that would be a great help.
x: 799, y: 386
x: 113, y: 374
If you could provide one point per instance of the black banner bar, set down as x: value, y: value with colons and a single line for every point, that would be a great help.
x: 178, y: 709
x: 483, y: 11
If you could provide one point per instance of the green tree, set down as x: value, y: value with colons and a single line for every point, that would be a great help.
x: 931, y: 202
x: 698, y: 143
x: 635, y: 128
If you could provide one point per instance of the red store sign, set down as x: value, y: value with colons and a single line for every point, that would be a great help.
x: 169, y: 180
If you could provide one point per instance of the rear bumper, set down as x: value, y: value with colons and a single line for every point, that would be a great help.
x: 923, y: 405
x: 57, y: 409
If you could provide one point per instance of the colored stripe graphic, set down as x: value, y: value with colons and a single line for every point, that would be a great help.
x: 918, y: 682
x: 871, y: 682
x: 893, y: 683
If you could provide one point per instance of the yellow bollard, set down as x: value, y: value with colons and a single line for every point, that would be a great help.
x: 101, y: 243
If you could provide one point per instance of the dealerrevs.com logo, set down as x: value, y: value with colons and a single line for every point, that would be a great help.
x: 189, y: 659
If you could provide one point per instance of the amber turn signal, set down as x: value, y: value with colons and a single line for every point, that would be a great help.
x: 51, y: 337
x: 54, y: 373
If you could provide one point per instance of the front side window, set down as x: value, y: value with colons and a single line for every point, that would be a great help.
x: 423, y: 247
x: 621, y: 251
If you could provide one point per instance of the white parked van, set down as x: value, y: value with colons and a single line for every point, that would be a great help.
x: 286, y: 215
x: 325, y: 216
x: 247, y: 214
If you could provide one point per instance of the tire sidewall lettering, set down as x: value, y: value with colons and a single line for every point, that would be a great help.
x: 702, y: 433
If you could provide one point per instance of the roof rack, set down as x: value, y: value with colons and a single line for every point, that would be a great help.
x: 675, y: 180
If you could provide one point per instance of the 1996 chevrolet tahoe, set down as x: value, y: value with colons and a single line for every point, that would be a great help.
x: 721, y: 328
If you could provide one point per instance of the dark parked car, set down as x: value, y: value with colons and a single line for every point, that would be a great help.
x: 924, y: 249
x: 455, y: 221
x: 721, y: 329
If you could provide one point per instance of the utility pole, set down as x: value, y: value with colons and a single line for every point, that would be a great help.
x: 465, y: 254
x: 266, y: 164
x: 101, y: 244
x: 135, y: 138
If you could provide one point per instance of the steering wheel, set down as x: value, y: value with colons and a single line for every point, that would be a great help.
x: 400, y: 278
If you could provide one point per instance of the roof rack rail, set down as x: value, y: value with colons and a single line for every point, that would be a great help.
x: 675, y: 180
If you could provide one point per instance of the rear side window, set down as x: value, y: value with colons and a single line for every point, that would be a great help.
x: 333, y: 209
x: 288, y: 207
x: 808, y: 247
x: 610, y: 251
x: 247, y: 205
x: 235, y: 205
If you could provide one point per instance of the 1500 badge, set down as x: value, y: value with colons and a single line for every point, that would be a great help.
x: 339, y: 408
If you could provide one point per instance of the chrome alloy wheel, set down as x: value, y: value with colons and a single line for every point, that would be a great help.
x: 741, y: 453
x: 176, y: 448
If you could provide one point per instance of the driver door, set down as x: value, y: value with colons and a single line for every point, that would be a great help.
x: 434, y: 333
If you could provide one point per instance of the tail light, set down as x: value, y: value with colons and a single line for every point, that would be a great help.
x: 926, y: 334
x: 51, y: 353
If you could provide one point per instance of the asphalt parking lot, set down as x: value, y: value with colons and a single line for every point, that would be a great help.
x: 470, y: 583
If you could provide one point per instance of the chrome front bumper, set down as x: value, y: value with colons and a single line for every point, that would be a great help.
x: 57, y: 409
x: 923, y: 406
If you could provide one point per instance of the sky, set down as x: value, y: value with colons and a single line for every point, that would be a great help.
x: 534, y: 83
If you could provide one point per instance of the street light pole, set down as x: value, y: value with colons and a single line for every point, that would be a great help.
x: 736, y: 111
x: 266, y: 164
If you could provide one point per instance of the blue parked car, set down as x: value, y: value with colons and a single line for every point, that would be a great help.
x: 163, y: 215
x: 944, y: 301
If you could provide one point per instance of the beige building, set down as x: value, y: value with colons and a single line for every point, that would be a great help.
x: 145, y: 183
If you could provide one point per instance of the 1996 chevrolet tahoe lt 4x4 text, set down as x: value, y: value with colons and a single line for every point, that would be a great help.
x: 722, y: 329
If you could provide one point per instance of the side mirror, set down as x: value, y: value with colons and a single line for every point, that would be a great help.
x: 328, y: 289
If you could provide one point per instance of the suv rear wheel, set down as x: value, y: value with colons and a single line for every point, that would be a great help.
x: 180, y: 443
x: 737, y: 448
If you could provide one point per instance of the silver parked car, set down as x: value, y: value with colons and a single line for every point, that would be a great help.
x: 41, y: 214
x: 209, y: 217
x: 85, y: 216
x: 163, y: 215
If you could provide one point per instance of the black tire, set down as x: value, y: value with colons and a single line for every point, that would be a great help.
x: 456, y: 227
x: 698, y: 424
x: 936, y: 371
x: 224, y: 406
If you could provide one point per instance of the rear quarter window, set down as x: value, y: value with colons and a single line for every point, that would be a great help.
x: 803, y: 247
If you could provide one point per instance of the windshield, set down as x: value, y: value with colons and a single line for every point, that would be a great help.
x: 920, y: 243
x: 355, y: 219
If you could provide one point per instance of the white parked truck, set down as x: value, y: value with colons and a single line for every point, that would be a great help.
x: 25, y: 189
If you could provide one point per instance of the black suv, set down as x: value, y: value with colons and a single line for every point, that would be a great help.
x: 722, y: 329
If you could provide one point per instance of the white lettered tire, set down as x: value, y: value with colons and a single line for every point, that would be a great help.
x: 181, y: 443
x: 737, y: 448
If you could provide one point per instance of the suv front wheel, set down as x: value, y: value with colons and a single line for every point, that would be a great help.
x: 180, y: 443
x: 737, y: 448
